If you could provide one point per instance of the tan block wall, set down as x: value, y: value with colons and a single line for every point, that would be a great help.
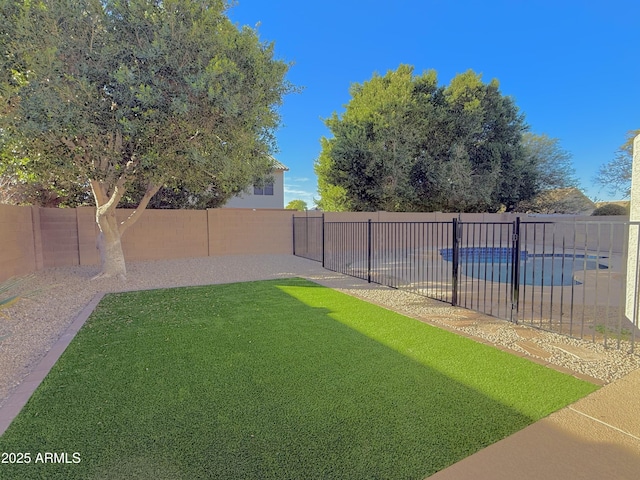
x: 33, y: 238
x: 411, y: 216
x: 246, y: 231
x: 87, y: 235
x: 164, y: 234
x: 18, y: 245
x: 347, y: 216
x: 59, y: 230
x: 158, y: 234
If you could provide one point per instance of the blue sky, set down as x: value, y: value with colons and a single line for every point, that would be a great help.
x: 572, y: 67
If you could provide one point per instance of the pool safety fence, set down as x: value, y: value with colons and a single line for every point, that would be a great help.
x: 308, y: 237
x: 572, y: 278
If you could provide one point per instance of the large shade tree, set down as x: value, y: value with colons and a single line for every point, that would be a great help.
x: 404, y: 143
x: 123, y: 97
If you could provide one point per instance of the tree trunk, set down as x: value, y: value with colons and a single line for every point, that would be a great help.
x: 109, y: 239
x: 109, y: 244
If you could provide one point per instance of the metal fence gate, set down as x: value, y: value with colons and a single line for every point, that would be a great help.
x: 565, y: 277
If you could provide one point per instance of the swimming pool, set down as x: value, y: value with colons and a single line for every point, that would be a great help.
x: 494, y: 264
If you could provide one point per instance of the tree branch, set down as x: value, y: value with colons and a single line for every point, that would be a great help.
x: 117, y: 194
x: 68, y: 143
x: 101, y: 195
x: 152, y: 189
x: 98, y: 191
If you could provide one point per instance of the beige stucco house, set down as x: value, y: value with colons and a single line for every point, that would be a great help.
x: 271, y: 195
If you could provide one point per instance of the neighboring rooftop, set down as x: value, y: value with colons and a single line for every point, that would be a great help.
x: 279, y: 166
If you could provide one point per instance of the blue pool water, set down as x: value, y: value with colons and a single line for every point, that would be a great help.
x: 494, y: 264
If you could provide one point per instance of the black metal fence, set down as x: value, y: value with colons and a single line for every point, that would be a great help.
x: 391, y: 253
x: 566, y: 277
x: 308, y: 237
x: 575, y: 280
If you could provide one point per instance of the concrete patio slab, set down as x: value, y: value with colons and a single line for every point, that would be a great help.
x: 596, y: 438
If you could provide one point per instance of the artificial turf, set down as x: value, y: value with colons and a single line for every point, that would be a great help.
x: 280, y: 379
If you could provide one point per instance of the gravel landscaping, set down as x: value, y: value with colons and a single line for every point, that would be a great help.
x: 32, y: 327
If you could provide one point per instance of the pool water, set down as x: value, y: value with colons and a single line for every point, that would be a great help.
x: 494, y: 264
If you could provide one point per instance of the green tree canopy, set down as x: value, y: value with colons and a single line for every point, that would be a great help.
x: 299, y: 205
x: 333, y: 198
x: 123, y: 97
x: 404, y: 143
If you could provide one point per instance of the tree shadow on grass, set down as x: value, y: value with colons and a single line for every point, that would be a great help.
x: 247, y: 381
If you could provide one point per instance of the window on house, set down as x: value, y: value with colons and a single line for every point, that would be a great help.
x: 266, y: 189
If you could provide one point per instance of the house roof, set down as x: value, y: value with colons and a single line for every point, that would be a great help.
x: 279, y: 166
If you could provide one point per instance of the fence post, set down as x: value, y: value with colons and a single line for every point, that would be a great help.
x: 293, y: 224
x: 515, y: 270
x: 455, y: 260
x: 306, y: 232
x: 323, y: 240
x: 369, y: 251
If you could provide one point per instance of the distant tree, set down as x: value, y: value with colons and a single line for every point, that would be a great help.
x: 406, y: 144
x: 125, y: 97
x: 556, y: 183
x: 553, y: 163
x: 615, y: 175
x: 559, y: 200
x: 299, y: 205
x: 610, y: 209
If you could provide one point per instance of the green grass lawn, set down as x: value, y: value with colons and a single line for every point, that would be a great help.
x: 279, y: 379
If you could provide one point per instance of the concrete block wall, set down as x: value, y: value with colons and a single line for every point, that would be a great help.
x: 606, y: 235
x: 87, y: 235
x: 59, y: 230
x: 158, y: 234
x: 33, y: 238
x: 248, y: 231
x: 412, y: 216
x: 20, y: 250
x: 165, y: 234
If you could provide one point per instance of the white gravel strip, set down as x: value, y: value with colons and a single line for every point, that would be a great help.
x: 34, y: 326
